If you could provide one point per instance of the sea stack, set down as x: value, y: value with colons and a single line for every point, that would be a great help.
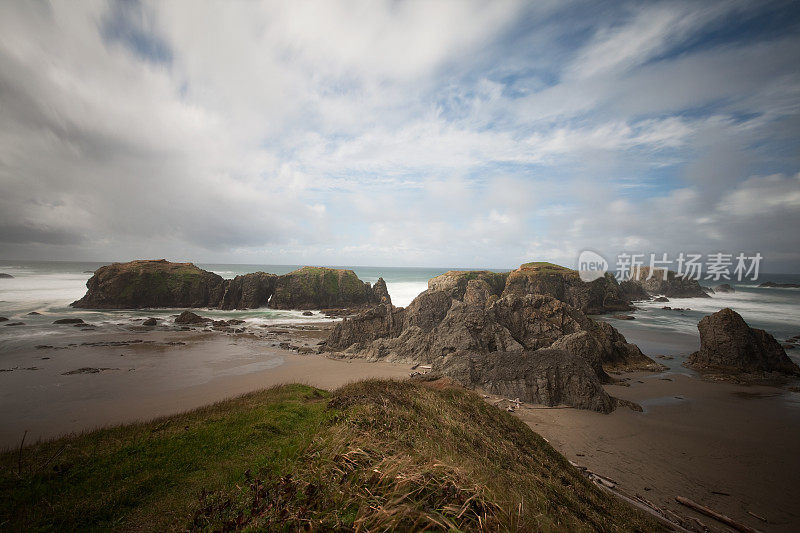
x: 161, y: 283
x: 728, y: 346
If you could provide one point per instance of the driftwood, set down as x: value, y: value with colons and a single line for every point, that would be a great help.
x: 715, y: 515
x: 751, y: 513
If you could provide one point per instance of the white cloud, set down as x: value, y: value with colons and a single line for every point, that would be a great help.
x: 427, y: 133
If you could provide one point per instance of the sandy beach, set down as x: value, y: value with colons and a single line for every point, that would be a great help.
x: 732, y: 448
x: 141, y: 375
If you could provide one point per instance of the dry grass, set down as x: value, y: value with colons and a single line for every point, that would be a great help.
x: 373, y: 456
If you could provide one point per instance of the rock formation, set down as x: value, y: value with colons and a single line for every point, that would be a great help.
x: 546, y: 376
x: 323, y: 288
x: 468, y: 316
x: 160, y: 283
x: 729, y: 346
x: 187, y: 317
x: 3, y: 275
x: 772, y: 284
x: 724, y: 287
x: 599, y: 296
x: 142, y: 284
x: 674, y: 286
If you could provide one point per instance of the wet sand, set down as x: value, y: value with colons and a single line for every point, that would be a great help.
x: 156, y: 373
x: 732, y: 448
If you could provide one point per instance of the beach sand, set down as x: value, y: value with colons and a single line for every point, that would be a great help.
x: 731, y: 448
x: 158, y: 373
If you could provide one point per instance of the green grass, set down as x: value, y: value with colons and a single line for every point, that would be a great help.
x: 372, y: 456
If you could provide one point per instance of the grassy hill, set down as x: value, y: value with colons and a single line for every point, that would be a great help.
x: 374, y: 455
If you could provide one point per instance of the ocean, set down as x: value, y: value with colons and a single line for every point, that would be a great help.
x: 49, y: 287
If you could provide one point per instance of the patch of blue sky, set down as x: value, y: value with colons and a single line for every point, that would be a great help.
x: 762, y: 21
x: 130, y: 25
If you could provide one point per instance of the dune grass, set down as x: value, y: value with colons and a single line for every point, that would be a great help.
x: 372, y: 456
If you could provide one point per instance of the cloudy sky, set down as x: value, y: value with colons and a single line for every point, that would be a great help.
x: 430, y: 133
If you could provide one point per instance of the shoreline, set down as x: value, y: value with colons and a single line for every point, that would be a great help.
x: 730, y: 447
x: 164, y: 373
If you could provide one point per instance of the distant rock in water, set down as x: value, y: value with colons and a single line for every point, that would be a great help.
x: 3, y: 319
x: 772, y: 284
x: 160, y: 283
x: 484, y: 319
x: 187, y: 317
x: 725, y: 287
x: 673, y: 286
x: 322, y: 288
x: 729, y: 346
x: 157, y: 283
x: 661, y: 299
x: 69, y: 321
x: 633, y: 291
x: 150, y: 322
x: 3, y: 275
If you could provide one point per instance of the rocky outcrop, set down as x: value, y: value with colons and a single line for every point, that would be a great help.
x: 249, y: 291
x: 633, y: 291
x: 724, y: 287
x: 670, y: 285
x: 322, y: 288
x: 160, y: 283
x: 729, y: 346
x: 3, y: 275
x: 465, y: 317
x: 187, y: 318
x: 599, y: 296
x: 546, y: 376
x: 139, y: 284
x: 772, y: 284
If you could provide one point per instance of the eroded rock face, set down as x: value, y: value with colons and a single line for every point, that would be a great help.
x: 599, y: 296
x: 160, y: 283
x: 469, y: 327
x: 673, y: 286
x: 249, y: 291
x: 321, y: 288
x: 728, y: 345
x: 546, y: 376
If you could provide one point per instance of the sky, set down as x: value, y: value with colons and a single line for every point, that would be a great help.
x: 386, y: 133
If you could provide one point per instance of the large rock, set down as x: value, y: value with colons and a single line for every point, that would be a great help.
x: 322, y: 288
x: 460, y: 324
x: 187, y: 317
x: 670, y: 285
x: 599, y: 296
x: 725, y: 287
x: 729, y: 346
x: 249, y: 291
x: 160, y: 283
x: 546, y: 376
